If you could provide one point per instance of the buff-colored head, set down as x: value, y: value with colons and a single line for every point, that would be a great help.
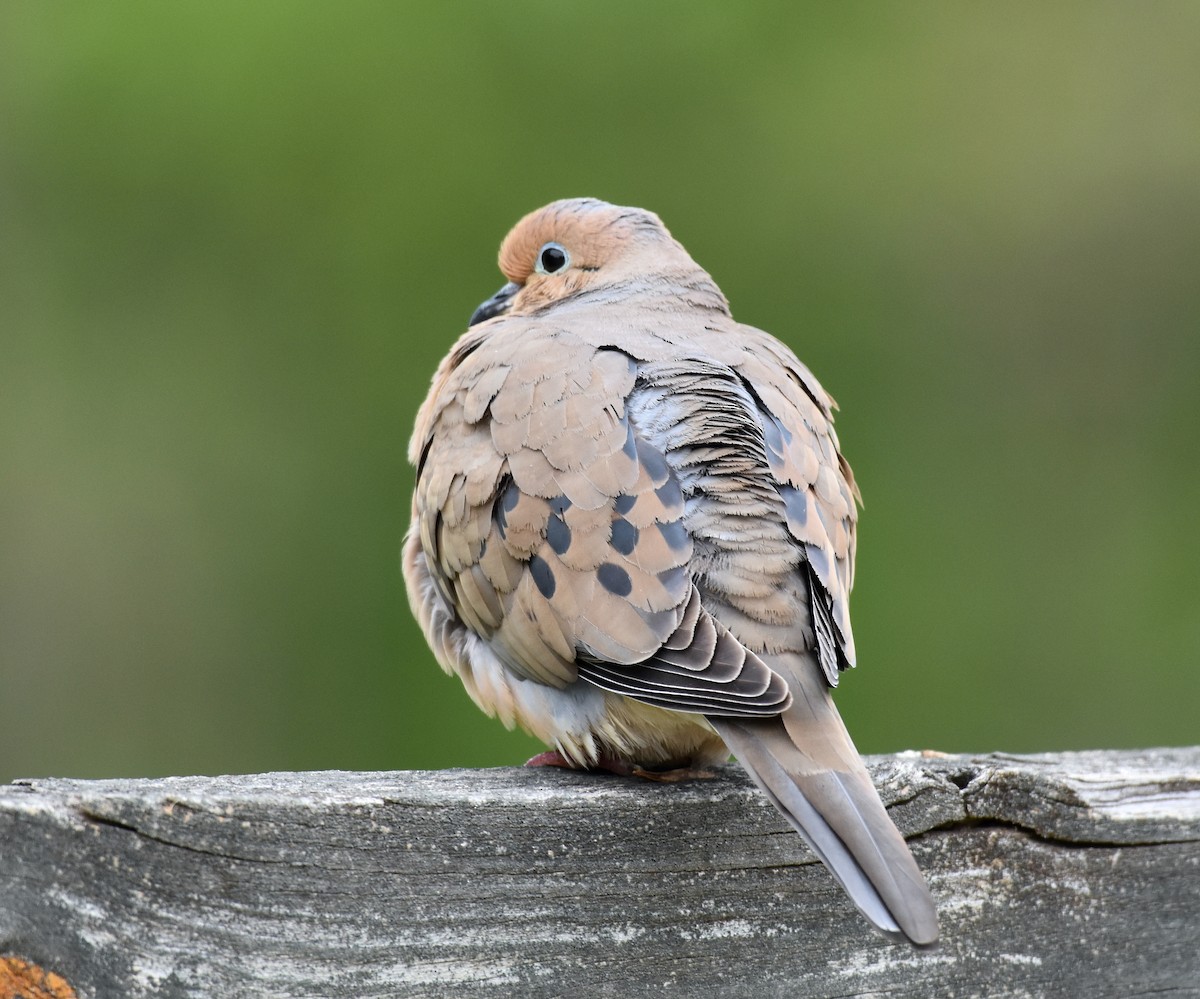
x: 581, y: 244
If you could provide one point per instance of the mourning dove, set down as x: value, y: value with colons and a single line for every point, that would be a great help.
x: 633, y: 535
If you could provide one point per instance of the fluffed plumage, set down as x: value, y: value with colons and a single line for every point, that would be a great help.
x: 633, y: 535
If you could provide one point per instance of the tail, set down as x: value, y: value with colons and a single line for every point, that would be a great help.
x: 807, y: 765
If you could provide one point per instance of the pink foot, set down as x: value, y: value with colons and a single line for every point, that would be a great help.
x: 551, y: 758
x: 607, y: 764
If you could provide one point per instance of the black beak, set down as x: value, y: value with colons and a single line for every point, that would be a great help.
x: 497, y: 305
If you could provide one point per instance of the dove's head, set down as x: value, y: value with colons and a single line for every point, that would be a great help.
x: 581, y: 245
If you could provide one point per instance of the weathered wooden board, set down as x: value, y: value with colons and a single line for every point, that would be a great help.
x: 1060, y: 875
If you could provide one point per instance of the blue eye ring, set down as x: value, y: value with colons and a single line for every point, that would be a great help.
x: 552, y: 258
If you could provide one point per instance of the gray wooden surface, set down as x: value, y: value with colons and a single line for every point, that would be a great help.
x: 1059, y: 875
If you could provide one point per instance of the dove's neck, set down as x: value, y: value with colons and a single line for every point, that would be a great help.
x: 667, y: 291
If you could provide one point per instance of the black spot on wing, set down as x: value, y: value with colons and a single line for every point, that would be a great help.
x: 653, y: 462
x: 614, y: 579
x: 674, y: 535
x: 624, y: 536
x: 669, y: 493
x: 558, y: 534
x: 624, y: 503
x: 543, y: 576
x: 507, y: 498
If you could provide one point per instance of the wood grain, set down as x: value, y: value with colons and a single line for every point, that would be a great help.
x: 1055, y: 875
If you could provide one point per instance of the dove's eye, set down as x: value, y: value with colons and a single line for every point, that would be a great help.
x: 552, y: 258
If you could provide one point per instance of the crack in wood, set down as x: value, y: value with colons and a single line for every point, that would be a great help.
x: 104, y: 819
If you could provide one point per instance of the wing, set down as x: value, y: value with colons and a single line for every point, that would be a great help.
x: 815, y: 482
x: 554, y: 526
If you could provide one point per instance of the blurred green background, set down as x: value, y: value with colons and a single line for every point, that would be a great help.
x: 235, y: 239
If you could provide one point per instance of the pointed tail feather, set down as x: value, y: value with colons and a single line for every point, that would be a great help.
x: 806, y: 764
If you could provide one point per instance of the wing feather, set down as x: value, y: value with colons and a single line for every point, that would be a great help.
x: 557, y: 527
